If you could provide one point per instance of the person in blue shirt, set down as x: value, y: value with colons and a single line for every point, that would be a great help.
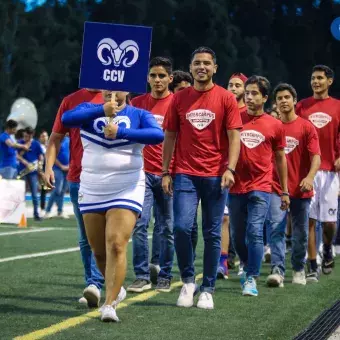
x: 31, y: 161
x: 112, y: 183
x: 8, y: 147
x: 60, y: 169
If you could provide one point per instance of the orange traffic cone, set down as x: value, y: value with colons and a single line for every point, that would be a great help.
x: 23, y: 222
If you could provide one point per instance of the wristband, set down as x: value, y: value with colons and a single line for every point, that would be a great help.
x: 285, y: 194
x: 165, y: 174
x: 232, y: 171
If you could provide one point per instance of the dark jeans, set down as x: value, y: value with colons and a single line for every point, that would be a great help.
x: 163, y: 205
x: 247, y: 215
x: 33, y: 183
x: 188, y: 190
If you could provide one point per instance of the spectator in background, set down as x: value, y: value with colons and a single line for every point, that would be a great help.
x: 60, y: 169
x: 43, y: 139
x: 8, y: 146
x: 180, y: 81
x: 30, y: 162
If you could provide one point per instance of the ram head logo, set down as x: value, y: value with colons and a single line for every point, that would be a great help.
x: 117, y: 54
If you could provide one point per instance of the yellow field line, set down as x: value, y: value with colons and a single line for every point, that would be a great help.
x: 78, y: 320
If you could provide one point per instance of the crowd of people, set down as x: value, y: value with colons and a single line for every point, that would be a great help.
x: 266, y: 180
x: 23, y: 157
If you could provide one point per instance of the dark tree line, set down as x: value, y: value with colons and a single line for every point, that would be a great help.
x: 280, y: 39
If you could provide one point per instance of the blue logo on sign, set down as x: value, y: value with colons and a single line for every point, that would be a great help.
x: 335, y: 28
x: 115, y: 57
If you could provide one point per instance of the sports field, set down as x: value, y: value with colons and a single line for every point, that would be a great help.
x: 39, y: 298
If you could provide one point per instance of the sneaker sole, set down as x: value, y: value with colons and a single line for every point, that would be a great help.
x: 108, y: 319
x: 250, y: 294
x: 139, y: 290
x: 185, y: 306
x: 313, y: 280
x: 163, y: 290
x: 299, y: 283
x: 92, y: 300
x: 201, y: 307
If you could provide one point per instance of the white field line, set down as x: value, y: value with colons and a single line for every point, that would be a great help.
x: 27, y: 231
x: 46, y: 253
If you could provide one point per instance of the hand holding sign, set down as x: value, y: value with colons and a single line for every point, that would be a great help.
x: 110, y: 130
x: 111, y: 108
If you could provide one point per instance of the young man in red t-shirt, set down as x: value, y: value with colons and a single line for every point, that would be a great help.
x: 303, y: 161
x: 203, y: 121
x: 157, y: 102
x: 262, y: 138
x: 236, y: 87
x: 93, y: 278
x: 323, y: 112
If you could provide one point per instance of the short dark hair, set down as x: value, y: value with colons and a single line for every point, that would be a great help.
x: 29, y: 130
x: 11, y: 124
x: 180, y: 76
x: 161, y: 61
x: 42, y: 131
x: 262, y: 83
x: 284, y: 87
x: 203, y: 49
x: 329, y: 73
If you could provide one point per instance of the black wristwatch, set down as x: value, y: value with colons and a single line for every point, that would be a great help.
x: 232, y: 171
x: 285, y: 193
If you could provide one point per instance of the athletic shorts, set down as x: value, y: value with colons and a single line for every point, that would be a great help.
x: 324, y: 203
x: 123, y: 195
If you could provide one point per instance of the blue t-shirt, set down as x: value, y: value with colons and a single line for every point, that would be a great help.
x: 7, y: 153
x: 64, y: 152
x: 32, y: 155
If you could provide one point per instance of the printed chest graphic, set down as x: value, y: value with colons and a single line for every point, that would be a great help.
x: 320, y: 119
x: 100, y: 123
x: 291, y: 144
x: 159, y: 119
x: 200, y: 119
x: 252, y: 138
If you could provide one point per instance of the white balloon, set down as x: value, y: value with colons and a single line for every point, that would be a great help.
x: 24, y: 112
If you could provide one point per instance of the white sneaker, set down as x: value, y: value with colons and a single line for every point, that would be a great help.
x: 121, y: 296
x: 108, y: 314
x: 337, y: 250
x: 186, y: 297
x: 64, y: 216
x: 47, y: 215
x: 205, y: 301
x: 82, y: 301
x: 92, y: 295
x: 299, y: 277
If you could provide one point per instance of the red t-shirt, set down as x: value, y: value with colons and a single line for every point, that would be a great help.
x: 302, y: 144
x: 76, y: 147
x: 260, y: 137
x: 201, y: 120
x: 153, y: 153
x: 243, y: 109
x: 324, y: 114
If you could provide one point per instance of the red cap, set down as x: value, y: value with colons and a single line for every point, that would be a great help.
x: 239, y: 76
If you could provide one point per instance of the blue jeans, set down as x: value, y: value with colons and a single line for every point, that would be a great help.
x: 57, y: 194
x: 276, y: 222
x: 33, y: 182
x: 299, y: 211
x: 247, y: 215
x: 156, y: 237
x: 8, y: 172
x: 337, y: 237
x: 188, y: 190
x: 92, y: 273
x: 154, y: 196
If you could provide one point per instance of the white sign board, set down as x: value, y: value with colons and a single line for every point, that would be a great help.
x: 12, y: 200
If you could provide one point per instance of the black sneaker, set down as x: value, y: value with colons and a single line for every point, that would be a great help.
x: 231, y: 263
x: 154, y: 270
x: 163, y: 285
x: 327, y: 264
x: 139, y: 286
x: 312, y: 276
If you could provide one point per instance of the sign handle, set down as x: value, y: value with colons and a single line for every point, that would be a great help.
x: 113, y: 99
